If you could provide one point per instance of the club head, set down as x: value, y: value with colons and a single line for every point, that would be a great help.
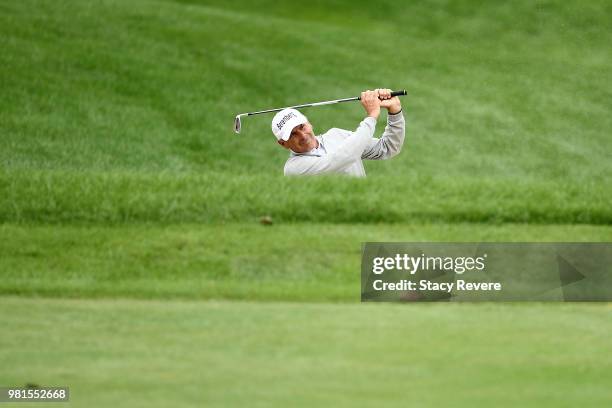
x: 237, y: 124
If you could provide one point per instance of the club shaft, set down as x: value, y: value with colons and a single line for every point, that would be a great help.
x: 306, y: 105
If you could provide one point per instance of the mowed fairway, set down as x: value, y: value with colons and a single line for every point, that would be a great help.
x: 173, y: 353
x: 134, y: 269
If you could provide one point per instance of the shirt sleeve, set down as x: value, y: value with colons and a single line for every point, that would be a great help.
x: 391, y: 141
x: 347, y: 153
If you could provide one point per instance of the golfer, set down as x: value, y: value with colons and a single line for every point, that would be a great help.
x: 341, y: 151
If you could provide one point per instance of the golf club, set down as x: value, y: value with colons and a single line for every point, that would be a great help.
x: 238, y: 124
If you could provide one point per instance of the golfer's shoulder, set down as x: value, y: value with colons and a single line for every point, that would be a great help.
x: 336, y: 133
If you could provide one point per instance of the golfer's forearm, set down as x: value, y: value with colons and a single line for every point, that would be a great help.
x: 394, y: 134
x: 391, y: 141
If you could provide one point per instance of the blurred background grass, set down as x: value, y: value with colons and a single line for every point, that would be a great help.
x: 121, y: 178
x: 510, y: 92
x: 512, y: 95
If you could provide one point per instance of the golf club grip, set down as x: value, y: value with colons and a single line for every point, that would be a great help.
x: 393, y: 93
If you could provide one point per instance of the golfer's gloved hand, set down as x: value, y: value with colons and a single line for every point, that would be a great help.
x: 371, y: 103
x: 393, y: 105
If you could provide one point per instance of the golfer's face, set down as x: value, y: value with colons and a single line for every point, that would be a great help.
x: 302, y: 139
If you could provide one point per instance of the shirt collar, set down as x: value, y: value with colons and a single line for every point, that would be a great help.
x: 317, y: 151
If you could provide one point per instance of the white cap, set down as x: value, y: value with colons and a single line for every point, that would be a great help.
x: 284, y: 122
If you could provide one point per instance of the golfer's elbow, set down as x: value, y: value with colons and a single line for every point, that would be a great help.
x: 397, y: 149
x: 393, y: 148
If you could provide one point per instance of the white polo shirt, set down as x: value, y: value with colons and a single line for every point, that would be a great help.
x: 342, y: 151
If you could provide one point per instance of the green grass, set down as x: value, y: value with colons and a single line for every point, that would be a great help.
x: 130, y: 106
x: 123, y: 188
x: 127, y: 353
x: 295, y: 262
x: 117, y: 198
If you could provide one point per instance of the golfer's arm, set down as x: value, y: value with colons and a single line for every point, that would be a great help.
x: 347, y: 153
x: 391, y: 141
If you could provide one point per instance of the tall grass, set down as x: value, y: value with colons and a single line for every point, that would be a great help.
x: 126, y: 197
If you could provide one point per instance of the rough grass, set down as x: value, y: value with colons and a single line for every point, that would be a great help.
x: 115, y: 198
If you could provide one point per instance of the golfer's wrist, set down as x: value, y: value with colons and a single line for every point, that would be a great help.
x: 375, y: 113
x: 394, y: 110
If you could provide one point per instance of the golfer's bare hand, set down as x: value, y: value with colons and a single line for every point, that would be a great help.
x: 392, y: 104
x: 371, y: 103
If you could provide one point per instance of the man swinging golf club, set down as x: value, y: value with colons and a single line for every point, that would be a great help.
x: 341, y: 151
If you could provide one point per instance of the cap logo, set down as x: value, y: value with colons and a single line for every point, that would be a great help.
x: 284, y: 120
